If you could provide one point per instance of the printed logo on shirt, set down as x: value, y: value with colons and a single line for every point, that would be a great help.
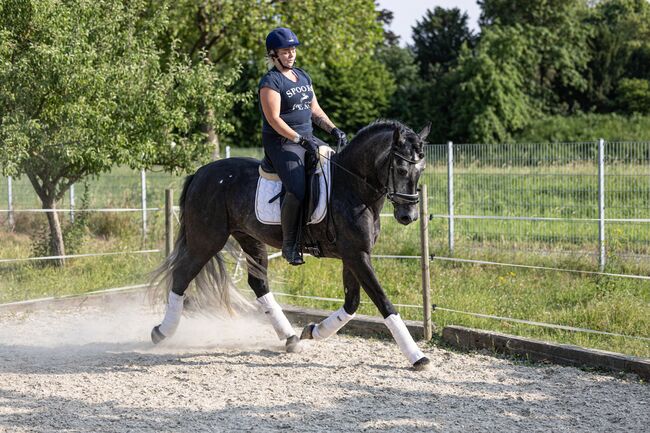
x: 299, y: 89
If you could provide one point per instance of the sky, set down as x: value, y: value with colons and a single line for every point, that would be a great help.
x: 407, y: 12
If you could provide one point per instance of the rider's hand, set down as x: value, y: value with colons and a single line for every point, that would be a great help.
x: 341, y: 139
x: 309, y: 143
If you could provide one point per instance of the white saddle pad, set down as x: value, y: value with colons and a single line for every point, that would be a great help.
x: 269, y: 213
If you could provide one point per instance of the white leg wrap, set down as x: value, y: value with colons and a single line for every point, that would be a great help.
x: 403, y: 338
x: 331, y: 324
x: 276, y: 316
x: 172, y: 315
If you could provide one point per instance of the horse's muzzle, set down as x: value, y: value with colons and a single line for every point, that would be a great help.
x: 406, y: 214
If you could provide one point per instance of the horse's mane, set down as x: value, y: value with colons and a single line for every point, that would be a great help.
x: 379, y: 125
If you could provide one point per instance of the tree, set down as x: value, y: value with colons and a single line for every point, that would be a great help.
x: 356, y: 94
x: 491, y: 100
x: 634, y: 95
x: 560, y: 38
x: 84, y: 86
x: 226, y: 33
x: 335, y: 36
x: 438, y: 39
x: 620, y: 47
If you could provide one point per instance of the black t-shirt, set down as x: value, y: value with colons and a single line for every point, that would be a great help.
x: 295, y: 100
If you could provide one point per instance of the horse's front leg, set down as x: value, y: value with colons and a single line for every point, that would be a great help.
x: 337, y: 320
x: 365, y: 274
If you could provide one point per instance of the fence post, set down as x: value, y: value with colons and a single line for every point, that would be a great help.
x: 450, y: 193
x: 601, y: 203
x: 12, y: 221
x: 143, y: 183
x: 169, y: 221
x: 227, y: 151
x: 424, y: 244
x: 72, y: 203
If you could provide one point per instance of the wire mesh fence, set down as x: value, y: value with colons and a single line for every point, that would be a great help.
x: 542, y: 206
x: 572, y: 205
x: 583, y: 205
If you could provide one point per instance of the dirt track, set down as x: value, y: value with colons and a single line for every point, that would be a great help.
x: 93, y: 371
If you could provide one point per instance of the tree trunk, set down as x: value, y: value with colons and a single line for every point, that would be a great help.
x: 211, y: 138
x: 57, y: 247
x: 216, y: 149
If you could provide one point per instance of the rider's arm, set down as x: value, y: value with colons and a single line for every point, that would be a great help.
x: 270, y: 101
x: 319, y: 118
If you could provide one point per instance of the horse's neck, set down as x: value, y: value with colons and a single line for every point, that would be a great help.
x: 367, y: 158
x: 367, y: 161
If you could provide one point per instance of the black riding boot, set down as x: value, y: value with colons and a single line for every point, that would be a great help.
x: 290, y: 226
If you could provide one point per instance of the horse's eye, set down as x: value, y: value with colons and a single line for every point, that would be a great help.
x: 402, y: 171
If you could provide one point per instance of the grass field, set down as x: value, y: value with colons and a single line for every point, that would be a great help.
x: 610, y: 304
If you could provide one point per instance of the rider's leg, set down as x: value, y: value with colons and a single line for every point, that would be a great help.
x: 288, y: 161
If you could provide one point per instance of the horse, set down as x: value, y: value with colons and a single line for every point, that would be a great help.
x: 384, y: 160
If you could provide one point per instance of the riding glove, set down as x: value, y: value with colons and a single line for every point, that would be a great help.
x: 310, y: 144
x: 341, y: 139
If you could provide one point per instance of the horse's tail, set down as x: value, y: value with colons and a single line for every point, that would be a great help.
x: 212, y: 290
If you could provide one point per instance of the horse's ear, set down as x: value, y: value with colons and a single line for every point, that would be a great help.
x: 397, y: 135
x: 425, y: 132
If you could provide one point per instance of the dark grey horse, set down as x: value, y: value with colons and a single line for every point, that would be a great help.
x: 384, y: 160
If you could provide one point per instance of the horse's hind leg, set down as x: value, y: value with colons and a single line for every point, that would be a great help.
x: 257, y: 263
x: 337, y: 320
x: 187, y: 260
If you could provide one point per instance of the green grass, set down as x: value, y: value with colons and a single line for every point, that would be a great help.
x: 595, y: 303
x: 618, y: 305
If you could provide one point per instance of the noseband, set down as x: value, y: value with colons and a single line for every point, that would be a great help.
x: 394, y: 196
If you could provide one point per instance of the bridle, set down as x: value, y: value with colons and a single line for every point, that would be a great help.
x: 394, y: 196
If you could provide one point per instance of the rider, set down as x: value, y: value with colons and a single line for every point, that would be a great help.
x: 289, y: 107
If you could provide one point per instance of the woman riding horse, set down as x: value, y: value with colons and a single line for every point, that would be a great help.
x: 384, y: 160
x: 289, y: 106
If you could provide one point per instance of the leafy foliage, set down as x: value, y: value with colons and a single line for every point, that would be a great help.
x: 337, y: 43
x: 532, y: 59
x: 84, y: 86
x: 492, y: 98
x: 586, y: 127
x: 438, y: 39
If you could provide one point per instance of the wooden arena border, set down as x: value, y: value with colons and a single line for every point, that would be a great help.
x: 371, y: 326
x: 542, y: 351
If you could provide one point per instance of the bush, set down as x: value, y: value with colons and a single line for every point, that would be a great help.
x: 586, y: 127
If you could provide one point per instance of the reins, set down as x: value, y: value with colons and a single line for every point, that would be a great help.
x: 394, y: 197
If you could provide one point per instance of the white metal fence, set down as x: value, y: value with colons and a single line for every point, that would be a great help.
x: 580, y: 205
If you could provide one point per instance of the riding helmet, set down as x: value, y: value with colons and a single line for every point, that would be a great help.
x: 281, y: 38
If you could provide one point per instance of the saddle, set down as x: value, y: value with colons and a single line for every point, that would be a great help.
x: 270, y: 194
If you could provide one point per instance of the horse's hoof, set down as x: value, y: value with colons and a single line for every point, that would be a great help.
x: 422, y: 364
x: 307, y: 332
x: 156, y: 335
x: 293, y: 344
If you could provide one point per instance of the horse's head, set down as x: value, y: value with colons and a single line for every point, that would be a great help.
x: 406, y: 163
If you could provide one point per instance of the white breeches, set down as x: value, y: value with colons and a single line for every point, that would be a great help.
x: 172, y: 315
x: 274, y: 313
x: 331, y: 324
x: 403, y: 338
